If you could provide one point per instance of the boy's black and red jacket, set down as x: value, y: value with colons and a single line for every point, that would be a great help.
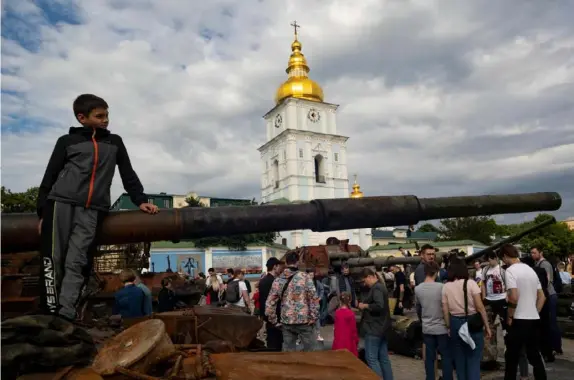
x: 82, y: 167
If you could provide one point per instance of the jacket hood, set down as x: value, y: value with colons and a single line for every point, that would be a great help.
x: 88, y: 131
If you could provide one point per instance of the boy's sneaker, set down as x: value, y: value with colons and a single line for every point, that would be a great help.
x: 320, y: 338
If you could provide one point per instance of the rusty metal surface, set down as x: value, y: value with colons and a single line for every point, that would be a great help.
x: 318, y: 258
x: 83, y: 374
x: 56, y: 375
x: 340, y: 365
x: 202, y: 324
x: 111, y: 283
x: 19, y: 231
x: 139, y: 347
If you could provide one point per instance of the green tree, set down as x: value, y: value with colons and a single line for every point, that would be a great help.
x: 233, y: 242
x: 428, y: 227
x: 555, y: 239
x: 479, y: 228
x: 19, y: 202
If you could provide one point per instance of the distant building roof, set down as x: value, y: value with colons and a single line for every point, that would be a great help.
x: 187, y: 244
x: 415, y: 235
x: 437, y: 244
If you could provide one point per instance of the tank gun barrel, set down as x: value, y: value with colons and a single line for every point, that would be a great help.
x: 510, y: 240
x: 380, y: 262
x: 19, y: 231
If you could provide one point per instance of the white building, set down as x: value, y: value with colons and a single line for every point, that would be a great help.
x: 304, y: 158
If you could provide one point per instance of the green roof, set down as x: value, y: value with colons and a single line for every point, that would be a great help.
x: 189, y: 244
x: 277, y: 246
x: 171, y: 244
x: 279, y: 201
x: 438, y: 244
x: 415, y: 235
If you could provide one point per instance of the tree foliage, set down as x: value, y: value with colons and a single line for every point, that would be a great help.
x: 233, y: 242
x: 19, y: 202
x: 428, y: 227
x: 555, y: 239
x: 479, y: 228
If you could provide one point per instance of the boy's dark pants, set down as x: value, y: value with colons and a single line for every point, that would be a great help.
x: 68, y: 239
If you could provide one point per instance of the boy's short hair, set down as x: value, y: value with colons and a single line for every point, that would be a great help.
x: 561, y: 265
x: 86, y: 103
x: 127, y: 275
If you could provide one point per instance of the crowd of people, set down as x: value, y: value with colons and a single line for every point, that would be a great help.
x: 458, y: 308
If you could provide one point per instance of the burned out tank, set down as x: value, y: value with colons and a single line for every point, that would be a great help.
x: 20, y: 231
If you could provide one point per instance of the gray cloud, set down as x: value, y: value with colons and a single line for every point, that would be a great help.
x: 438, y: 98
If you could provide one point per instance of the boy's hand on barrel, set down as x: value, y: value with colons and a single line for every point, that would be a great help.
x: 40, y: 227
x: 149, y: 208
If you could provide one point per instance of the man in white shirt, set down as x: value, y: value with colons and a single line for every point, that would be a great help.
x: 523, y: 314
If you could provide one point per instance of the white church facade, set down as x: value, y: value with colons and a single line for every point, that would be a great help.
x: 304, y: 158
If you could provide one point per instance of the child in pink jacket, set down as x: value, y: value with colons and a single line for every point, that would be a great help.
x: 346, y: 336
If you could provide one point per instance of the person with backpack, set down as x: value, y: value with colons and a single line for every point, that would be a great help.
x: 236, y: 294
x: 554, y: 286
x: 298, y: 309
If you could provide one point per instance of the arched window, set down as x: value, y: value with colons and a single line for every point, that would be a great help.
x: 276, y: 174
x: 319, y: 169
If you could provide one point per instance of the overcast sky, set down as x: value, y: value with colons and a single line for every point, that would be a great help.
x: 438, y: 97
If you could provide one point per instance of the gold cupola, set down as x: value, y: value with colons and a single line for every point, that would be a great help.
x: 357, y: 193
x: 298, y: 85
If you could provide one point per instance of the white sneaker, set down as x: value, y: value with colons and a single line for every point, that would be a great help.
x: 320, y: 338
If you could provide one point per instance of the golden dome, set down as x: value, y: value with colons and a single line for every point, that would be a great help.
x: 357, y: 193
x: 298, y: 85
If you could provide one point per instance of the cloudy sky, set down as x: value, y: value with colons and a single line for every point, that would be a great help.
x: 438, y: 97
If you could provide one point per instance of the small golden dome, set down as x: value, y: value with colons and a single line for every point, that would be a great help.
x: 298, y: 85
x: 357, y: 193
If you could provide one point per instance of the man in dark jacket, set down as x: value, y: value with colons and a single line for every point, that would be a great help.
x: 274, y: 335
x: 375, y: 322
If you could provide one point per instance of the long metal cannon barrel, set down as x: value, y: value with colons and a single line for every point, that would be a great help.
x: 19, y: 231
x: 390, y: 260
x: 509, y: 240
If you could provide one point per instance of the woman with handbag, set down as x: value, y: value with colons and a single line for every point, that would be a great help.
x: 466, y: 319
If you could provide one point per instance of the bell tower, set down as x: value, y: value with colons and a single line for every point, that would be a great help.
x: 303, y: 157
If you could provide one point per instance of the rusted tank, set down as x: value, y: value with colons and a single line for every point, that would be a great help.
x: 334, y: 253
x: 19, y: 231
x: 21, y: 287
x: 203, y: 324
x: 340, y: 364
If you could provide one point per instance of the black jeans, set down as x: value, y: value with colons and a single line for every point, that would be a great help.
x: 500, y: 308
x: 274, y: 337
x: 524, y: 333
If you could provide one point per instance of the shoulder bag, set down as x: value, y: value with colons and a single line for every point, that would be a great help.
x: 475, y: 323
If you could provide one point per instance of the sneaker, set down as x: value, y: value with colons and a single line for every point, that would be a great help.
x: 320, y: 338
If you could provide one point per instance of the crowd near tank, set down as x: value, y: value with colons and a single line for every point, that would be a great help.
x: 205, y: 324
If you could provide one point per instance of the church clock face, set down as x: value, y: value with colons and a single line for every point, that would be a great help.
x: 278, y: 121
x: 314, y: 115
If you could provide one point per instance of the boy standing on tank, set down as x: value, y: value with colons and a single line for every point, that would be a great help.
x: 73, y: 199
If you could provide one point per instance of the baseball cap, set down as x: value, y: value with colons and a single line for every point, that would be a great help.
x: 272, y: 261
